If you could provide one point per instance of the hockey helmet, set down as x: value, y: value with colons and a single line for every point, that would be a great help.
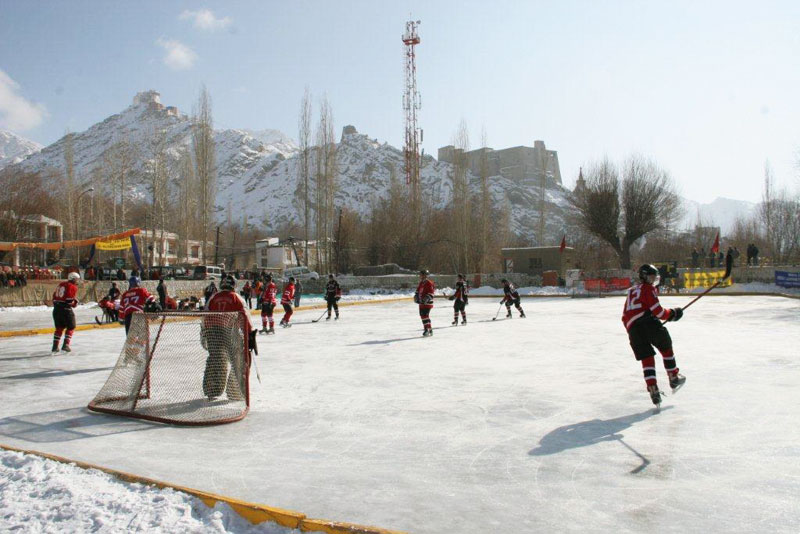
x: 133, y: 282
x: 424, y: 272
x: 504, y: 281
x: 460, y: 276
x: 646, y: 271
x: 268, y: 277
x: 227, y: 284
x: 291, y: 279
x: 73, y: 277
x: 330, y: 276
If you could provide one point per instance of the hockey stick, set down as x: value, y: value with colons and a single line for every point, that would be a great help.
x: 728, y: 268
x: 254, y: 349
x: 498, y: 312
x: 320, y: 317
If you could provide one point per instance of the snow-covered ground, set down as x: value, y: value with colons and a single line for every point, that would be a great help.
x: 524, y: 425
x: 40, y: 495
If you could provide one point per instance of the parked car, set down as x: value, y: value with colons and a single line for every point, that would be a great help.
x: 106, y: 273
x: 207, y: 272
x: 301, y: 273
x: 169, y: 272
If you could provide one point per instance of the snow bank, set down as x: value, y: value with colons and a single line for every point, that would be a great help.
x: 751, y: 287
x: 41, y: 495
x: 544, y: 290
x: 27, y: 309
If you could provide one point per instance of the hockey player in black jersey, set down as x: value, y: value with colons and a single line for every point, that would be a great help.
x: 333, y: 292
x: 460, y: 300
x: 511, y: 296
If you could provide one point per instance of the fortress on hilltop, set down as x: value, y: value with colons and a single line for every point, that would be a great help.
x: 519, y: 162
x: 153, y: 101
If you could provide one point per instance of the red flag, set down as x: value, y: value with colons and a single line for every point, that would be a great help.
x: 715, y: 246
x: 563, y: 244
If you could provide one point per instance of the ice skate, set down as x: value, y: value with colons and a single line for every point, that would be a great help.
x: 66, y: 348
x: 328, y: 318
x: 264, y: 330
x: 508, y: 315
x: 464, y: 321
x: 655, y: 395
x: 455, y: 322
x: 55, y: 346
x: 522, y: 315
x: 426, y: 332
x: 337, y: 316
x: 676, y: 381
x: 271, y: 330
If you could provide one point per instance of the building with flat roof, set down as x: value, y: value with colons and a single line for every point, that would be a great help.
x: 517, y: 162
x: 536, y: 260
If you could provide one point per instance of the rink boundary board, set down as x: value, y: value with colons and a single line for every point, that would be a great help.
x: 50, y: 330
x: 38, y: 331
x: 252, y: 512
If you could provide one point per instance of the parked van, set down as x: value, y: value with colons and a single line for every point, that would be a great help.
x: 300, y: 273
x: 207, y: 272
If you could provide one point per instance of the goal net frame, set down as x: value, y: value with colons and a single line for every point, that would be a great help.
x: 160, y: 376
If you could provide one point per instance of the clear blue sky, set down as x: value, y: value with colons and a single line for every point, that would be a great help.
x: 709, y: 89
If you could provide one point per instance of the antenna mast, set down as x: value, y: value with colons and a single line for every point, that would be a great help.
x: 411, y: 104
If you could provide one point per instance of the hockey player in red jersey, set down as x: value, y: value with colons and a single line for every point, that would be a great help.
x: 286, y: 301
x: 268, y: 303
x: 424, y: 297
x: 511, y: 296
x: 218, y: 340
x: 134, y: 300
x: 642, y: 317
x: 461, y: 299
x: 64, y: 299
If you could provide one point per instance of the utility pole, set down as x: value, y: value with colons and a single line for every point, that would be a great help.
x: 216, y: 249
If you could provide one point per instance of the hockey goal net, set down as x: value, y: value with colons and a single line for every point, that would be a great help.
x: 181, y: 368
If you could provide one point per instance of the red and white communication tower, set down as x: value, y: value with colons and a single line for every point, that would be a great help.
x: 412, y: 103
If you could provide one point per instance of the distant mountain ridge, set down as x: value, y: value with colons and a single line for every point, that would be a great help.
x: 257, y: 170
x: 15, y: 148
x: 722, y: 212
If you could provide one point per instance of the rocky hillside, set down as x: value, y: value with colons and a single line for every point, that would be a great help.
x: 257, y: 170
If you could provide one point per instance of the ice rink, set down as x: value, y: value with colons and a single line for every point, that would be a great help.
x: 525, y: 425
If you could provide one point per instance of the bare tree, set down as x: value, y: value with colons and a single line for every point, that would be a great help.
x: 779, y: 214
x: 205, y: 164
x: 187, y: 203
x: 304, y: 164
x: 621, y: 210
x: 324, y: 186
x: 486, y: 206
x: 157, y: 182
x: 460, y: 206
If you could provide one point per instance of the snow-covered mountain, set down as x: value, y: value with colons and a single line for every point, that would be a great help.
x: 14, y: 148
x: 257, y: 170
x: 722, y: 212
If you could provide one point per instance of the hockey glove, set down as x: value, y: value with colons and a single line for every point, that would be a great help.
x: 416, y: 298
x: 451, y: 297
x: 676, y: 314
x: 338, y: 297
x: 252, y: 341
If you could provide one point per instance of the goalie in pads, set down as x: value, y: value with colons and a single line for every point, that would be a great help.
x: 219, y: 341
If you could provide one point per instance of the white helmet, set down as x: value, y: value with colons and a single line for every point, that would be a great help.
x: 73, y: 277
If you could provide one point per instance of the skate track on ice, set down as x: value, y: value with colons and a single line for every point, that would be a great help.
x: 522, y: 425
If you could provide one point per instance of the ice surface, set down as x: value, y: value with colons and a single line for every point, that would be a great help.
x: 524, y: 425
